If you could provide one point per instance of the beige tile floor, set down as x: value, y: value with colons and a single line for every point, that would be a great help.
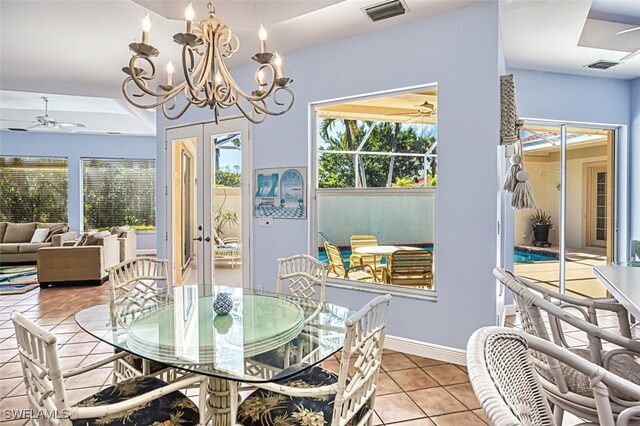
x: 413, y: 391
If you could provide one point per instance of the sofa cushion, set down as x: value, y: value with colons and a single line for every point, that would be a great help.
x: 40, y: 235
x: 19, y: 232
x: 49, y: 225
x: 9, y: 248
x: 56, y: 230
x: 119, y: 230
x: 95, y: 238
x: 32, y: 247
x: 3, y: 228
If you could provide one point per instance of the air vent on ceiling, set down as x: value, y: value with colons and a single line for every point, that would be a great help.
x: 386, y: 10
x: 602, y: 64
x: 114, y: 133
x: 17, y: 129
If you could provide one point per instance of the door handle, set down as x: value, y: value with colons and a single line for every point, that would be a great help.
x: 207, y: 239
x: 197, y: 239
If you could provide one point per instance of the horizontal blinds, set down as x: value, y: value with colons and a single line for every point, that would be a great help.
x: 119, y: 192
x: 33, y: 189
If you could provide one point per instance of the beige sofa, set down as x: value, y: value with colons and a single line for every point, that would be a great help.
x: 15, y: 245
x: 79, y: 264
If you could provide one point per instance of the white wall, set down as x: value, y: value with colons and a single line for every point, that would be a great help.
x: 553, y: 96
x: 458, y: 51
x: 74, y: 147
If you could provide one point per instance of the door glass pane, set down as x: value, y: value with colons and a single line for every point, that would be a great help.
x: 184, y: 187
x: 226, y: 183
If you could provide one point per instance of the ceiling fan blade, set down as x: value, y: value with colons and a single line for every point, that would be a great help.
x: 70, y: 129
x: 628, y: 30
x: 34, y: 126
x: 70, y: 125
x: 16, y: 121
x: 630, y: 55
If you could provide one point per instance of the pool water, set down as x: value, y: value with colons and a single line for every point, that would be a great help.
x: 523, y: 256
x: 519, y: 256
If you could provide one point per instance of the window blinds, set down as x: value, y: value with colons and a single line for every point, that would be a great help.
x: 119, y: 192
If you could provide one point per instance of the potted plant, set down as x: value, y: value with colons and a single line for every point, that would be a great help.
x: 541, y: 224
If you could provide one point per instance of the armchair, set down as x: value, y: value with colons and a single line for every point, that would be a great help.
x: 77, y: 264
x: 356, y: 272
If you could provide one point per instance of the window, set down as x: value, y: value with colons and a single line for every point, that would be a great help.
x: 376, y: 180
x: 119, y: 192
x: 33, y: 189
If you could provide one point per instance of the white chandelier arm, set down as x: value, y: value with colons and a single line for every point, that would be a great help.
x: 193, y: 88
x: 250, y: 116
x: 163, y: 98
x: 165, y: 110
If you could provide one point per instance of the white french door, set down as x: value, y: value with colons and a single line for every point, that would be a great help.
x: 208, y: 203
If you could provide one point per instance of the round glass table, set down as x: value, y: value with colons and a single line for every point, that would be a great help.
x: 266, y: 337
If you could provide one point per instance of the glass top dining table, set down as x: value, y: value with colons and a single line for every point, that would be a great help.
x: 265, y: 337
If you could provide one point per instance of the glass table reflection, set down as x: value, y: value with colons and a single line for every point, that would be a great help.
x: 266, y: 336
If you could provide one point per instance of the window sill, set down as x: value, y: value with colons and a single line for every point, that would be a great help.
x: 407, y: 292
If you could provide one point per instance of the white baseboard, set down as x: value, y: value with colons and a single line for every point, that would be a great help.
x: 426, y: 350
x: 510, y: 310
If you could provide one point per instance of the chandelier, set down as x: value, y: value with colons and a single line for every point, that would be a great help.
x: 207, y: 80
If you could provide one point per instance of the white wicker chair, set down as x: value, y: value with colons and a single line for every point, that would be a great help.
x: 304, y: 277
x: 570, y: 391
x: 140, y: 400
x: 314, y: 395
x: 134, y: 289
x: 502, y: 371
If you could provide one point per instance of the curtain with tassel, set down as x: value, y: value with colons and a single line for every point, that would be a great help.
x: 516, y: 181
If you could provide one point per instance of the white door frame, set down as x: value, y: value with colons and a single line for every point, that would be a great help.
x: 202, y: 132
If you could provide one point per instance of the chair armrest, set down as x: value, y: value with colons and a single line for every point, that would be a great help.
x: 367, y: 268
x: 93, y: 365
x: 111, y: 252
x: 103, y: 410
x: 60, y: 239
x: 299, y: 392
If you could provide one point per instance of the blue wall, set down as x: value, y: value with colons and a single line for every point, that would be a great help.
x: 566, y: 97
x: 75, y: 147
x: 634, y: 156
x: 459, y: 51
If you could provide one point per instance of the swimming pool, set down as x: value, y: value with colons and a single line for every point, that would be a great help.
x: 519, y: 256
x: 524, y: 256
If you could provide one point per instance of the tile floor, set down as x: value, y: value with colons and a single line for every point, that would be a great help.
x: 413, y: 391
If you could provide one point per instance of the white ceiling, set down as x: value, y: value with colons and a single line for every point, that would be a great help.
x: 77, y: 47
x: 566, y: 35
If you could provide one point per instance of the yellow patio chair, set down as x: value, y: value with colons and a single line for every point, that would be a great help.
x: 362, y: 259
x: 410, y: 268
x: 355, y: 272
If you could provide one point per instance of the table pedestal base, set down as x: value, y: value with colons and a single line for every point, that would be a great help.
x: 222, y: 402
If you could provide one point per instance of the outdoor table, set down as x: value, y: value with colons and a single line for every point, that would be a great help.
x: 185, y: 333
x: 381, y: 251
x: 623, y: 282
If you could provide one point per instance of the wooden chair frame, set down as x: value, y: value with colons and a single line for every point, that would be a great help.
x: 337, y: 266
x: 412, y: 268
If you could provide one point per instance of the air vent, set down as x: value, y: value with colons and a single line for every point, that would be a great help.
x: 17, y: 129
x: 602, y: 64
x: 114, y: 133
x: 386, y: 10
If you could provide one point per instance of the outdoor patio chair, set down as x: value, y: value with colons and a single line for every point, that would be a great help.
x: 136, y: 401
x: 570, y: 390
x: 355, y: 272
x: 227, y: 249
x: 316, y: 396
x: 635, y: 252
x: 502, y: 365
x: 410, y: 268
x: 360, y: 259
x: 135, y: 289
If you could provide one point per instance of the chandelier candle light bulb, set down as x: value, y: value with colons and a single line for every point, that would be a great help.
x: 278, y: 63
x: 146, y: 27
x: 262, y: 33
x: 189, y: 14
x: 218, y: 78
x: 169, y: 73
x: 261, y: 78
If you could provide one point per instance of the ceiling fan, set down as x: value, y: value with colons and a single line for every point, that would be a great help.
x: 424, y: 110
x: 47, y: 121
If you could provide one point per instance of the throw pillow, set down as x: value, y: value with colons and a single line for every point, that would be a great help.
x: 19, y: 232
x: 59, y: 229
x: 96, y: 238
x: 119, y: 230
x: 40, y: 235
x: 81, y: 240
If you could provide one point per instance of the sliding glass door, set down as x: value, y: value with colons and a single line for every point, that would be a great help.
x: 571, y: 175
x: 207, y: 200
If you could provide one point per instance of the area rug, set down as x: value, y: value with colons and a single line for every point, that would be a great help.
x: 18, y: 279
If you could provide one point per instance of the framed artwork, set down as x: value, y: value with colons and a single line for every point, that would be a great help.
x: 280, y: 193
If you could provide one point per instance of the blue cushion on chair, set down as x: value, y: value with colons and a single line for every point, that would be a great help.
x: 266, y: 408
x: 171, y: 409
